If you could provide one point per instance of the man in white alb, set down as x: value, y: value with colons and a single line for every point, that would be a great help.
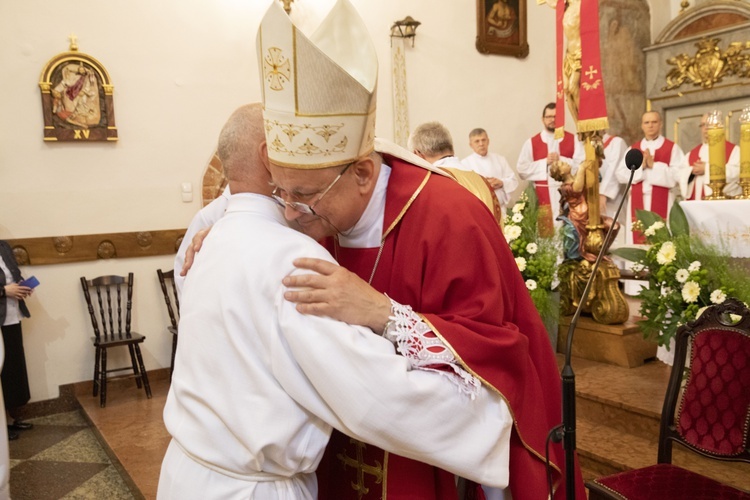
x: 656, y: 184
x: 492, y: 166
x: 539, y: 152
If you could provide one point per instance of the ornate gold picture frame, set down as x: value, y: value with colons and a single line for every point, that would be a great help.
x: 77, y: 98
x: 501, y: 27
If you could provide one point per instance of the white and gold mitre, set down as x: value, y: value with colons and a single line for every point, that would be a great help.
x: 318, y: 92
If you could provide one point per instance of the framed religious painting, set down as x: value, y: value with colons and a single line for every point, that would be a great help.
x: 501, y: 27
x: 77, y: 101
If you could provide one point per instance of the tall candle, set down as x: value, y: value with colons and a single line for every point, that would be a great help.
x: 717, y: 160
x: 745, y: 152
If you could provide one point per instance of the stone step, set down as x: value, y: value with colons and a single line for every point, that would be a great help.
x: 603, y: 450
x: 627, y: 399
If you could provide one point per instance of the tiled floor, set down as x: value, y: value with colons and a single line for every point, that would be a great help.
x: 62, y: 458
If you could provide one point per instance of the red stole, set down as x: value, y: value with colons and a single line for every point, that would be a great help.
x: 539, y: 151
x: 694, y: 156
x: 483, y: 312
x: 659, y: 194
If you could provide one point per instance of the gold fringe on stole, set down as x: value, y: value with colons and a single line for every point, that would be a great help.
x: 592, y: 125
x: 560, y: 132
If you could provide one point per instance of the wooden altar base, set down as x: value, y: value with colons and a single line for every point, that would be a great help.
x: 621, y: 345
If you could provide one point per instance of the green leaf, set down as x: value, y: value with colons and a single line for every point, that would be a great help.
x: 631, y: 254
x: 647, y: 218
x: 678, y: 222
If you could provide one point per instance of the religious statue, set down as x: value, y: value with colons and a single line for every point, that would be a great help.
x: 571, y: 25
x: 574, y: 209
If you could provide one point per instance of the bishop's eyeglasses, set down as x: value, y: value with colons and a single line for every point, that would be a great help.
x: 304, y: 207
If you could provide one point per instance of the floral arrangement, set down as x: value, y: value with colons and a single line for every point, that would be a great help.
x: 536, y: 255
x: 685, y: 274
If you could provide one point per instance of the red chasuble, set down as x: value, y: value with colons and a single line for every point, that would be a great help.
x: 444, y: 255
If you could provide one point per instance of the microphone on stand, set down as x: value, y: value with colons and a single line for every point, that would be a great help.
x: 633, y: 160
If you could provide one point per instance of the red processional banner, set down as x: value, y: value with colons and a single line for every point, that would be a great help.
x: 560, y: 92
x: 592, y: 108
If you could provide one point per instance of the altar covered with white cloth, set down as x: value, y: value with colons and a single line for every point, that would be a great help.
x: 724, y: 223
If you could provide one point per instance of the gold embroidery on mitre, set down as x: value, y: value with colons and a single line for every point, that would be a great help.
x: 309, y: 149
x: 276, y: 69
x: 327, y: 131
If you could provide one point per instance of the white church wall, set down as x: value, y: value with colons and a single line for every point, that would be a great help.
x: 179, y: 69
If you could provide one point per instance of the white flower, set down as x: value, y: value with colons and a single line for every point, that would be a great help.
x: 518, y: 207
x: 667, y: 253
x: 637, y: 267
x: 665, y: 290
x: 532, y: 248
x: 717, y: 296
x: 512, y: 232
x: 695, y: 266
x: 521, y: 263
x: 682, y: 275
x: 517, y: 217
x: 531, y: 284
x: 690, y: 291
x: 653, y: 228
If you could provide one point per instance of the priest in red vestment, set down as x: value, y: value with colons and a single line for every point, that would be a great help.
x: 424, y: 261
x: 657, y: 183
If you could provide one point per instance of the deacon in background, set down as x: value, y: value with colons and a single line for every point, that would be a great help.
x: 541, y: 151
x: 398, y: 226
x: 491, y: 166
x: 656, y: 183
x: 699, y: 174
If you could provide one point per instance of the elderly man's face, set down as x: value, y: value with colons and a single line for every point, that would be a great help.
x: 335, y: 212
x: 480, y: 143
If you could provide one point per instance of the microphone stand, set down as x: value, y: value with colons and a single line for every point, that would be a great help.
x: 568, y: 377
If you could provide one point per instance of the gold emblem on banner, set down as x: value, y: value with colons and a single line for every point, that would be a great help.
x: 709, y: 65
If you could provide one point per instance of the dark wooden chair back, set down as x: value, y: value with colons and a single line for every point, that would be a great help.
x: 110, y: 301
x: 710, y: 412
x: 169, y: 290
x: 706, y: 410
x: 114, y: 301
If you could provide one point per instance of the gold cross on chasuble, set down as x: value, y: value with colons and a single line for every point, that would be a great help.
x: 362, y: 468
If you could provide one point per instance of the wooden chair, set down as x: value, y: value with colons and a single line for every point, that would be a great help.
x: 114, y: 301
x: 169, y: 289
x: 710, y: 415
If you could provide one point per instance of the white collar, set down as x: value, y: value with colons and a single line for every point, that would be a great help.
x: 368, y: 230
x: 258, y: 203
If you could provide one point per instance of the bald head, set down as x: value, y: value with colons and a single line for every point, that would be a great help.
x: 242, y: 151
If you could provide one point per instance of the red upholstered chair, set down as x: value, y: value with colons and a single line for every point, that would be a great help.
x: 710, y: 415
x: 114, y: 301
x: 169, y: 289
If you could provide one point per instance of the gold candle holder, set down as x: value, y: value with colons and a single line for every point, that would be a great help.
x: 745, y: 153
x: 717, y: 159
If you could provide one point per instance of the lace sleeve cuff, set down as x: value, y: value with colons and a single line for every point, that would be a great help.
x: 415, y: 341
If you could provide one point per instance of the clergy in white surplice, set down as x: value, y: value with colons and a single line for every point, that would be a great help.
x: 656, y: 183
x: 494, y: 167
x: 539, y: 152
